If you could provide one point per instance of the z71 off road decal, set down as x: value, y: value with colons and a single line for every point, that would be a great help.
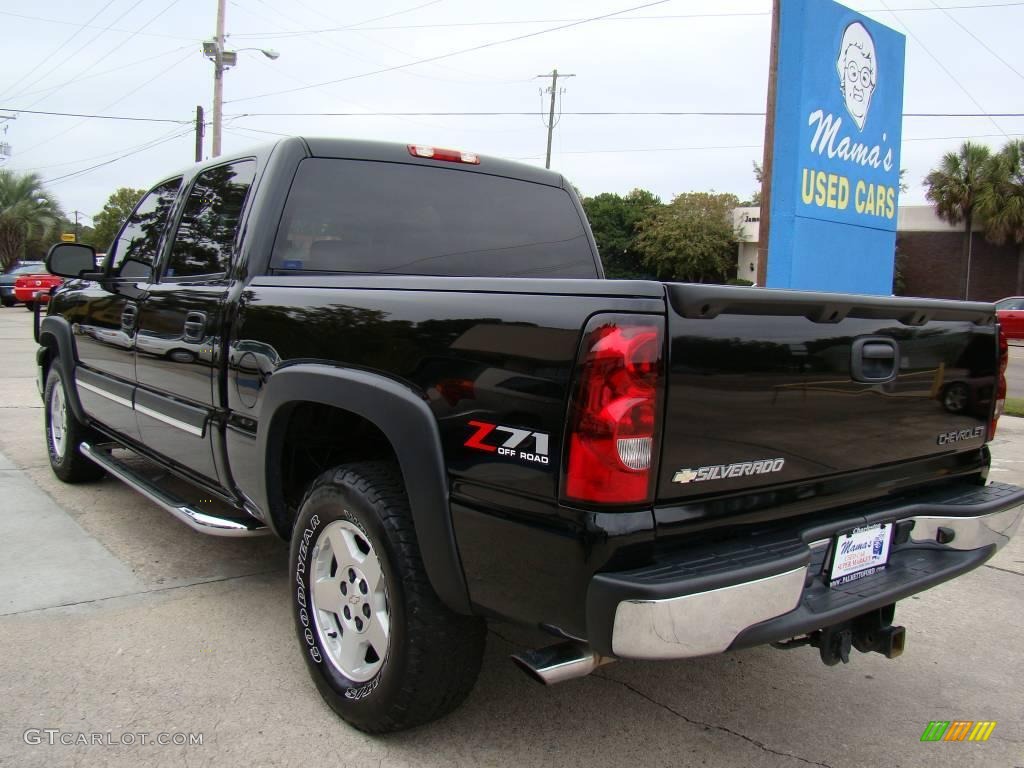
x: 512, y: 442
x: 725, y: 471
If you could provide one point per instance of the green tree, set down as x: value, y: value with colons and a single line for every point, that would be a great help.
x: 755, y: 199
x: 1001, y: 202
x: 116, y: 210
x: 27, y: 211
x: 692, y: 239
x: 613, y: 219
x: 955, y: 186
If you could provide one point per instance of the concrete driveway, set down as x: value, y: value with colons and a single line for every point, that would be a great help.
x: 1015, y: 370
x: 118, y: 619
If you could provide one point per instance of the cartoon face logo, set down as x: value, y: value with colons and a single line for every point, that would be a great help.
x: 857, y: 66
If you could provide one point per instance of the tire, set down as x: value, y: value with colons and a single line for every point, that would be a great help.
x: 64, y: 433
x: 430, y: 657
x: 30, y: 306
x: 7, y: 301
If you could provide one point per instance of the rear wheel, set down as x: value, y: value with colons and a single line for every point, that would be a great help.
x: 64, y: 433
x: 383, y: 650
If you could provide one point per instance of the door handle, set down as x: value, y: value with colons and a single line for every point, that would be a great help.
x: 129, y: 315
x: 195, y: 326
x: 874, y: 360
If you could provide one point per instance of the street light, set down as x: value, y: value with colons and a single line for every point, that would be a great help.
x: 222, y: 59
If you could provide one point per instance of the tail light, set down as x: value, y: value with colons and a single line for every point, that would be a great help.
x: 1000, y: 398
x: 615, y: 411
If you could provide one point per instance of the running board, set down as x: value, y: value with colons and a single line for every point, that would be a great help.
x: 211, y: 525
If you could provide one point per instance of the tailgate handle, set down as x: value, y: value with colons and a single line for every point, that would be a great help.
x: 876, y: 351
x: 875, y: 360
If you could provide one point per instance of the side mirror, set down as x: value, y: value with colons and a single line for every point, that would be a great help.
x: 72, y: 260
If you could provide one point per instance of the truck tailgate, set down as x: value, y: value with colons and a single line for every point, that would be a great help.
x: 773, y: 387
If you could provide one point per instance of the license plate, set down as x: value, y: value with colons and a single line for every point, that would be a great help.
x: 859, y: 553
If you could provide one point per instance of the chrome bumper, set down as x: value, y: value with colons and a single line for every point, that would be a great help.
x: 709, y: 622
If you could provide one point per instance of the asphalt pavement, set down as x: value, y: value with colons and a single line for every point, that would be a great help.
x: 118, y: 624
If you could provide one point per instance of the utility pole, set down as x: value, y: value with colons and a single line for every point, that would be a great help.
x: 767, y: 157
x: 553, y: 90
x: 200, y: 130
x: 214, y: 51
x: 5, y: 148
x: 77, y: 214
x: 218, y: 79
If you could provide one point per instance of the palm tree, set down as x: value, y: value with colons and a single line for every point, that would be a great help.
x: 954, y: 187
x: 1002, y: 201
x: 26, y: 210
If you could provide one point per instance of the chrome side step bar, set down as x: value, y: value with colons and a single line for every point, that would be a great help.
x: 193, y: 518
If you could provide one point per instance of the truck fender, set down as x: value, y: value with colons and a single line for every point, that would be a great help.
x: 408, y: 424
x: 56, y: 331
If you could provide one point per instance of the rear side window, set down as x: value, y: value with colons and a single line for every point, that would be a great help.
x: 364, y: 216
x: 135, y: 249
x: 206, y: 235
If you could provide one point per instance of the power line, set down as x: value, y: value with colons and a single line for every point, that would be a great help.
x: 52, y: 53
x: 95, y: 117
x: 83, y: 171
x: 116, y: 101
x: 429, y: 59
x: 79, y: 78
x: 109, y: 53
x: 133, y: 118
x: 595, y: 113
x: 979, y: 41
x: 733, y: 146
x: 942, y: 66
x: 79, y: 49
x: 664, y: 17
x: 94, y: 26
x: 100, y: 156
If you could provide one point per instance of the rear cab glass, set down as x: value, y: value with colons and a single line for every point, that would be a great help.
x: 396, y: 218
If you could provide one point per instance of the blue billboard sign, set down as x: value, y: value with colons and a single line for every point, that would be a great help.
x: 836, y: 157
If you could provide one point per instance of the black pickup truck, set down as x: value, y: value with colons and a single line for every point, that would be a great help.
x: 405, y: 361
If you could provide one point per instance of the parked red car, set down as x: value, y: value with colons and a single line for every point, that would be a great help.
x: 27, y: 286
x: 1010, y: 312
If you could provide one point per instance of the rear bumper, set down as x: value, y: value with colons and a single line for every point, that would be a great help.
x: 25, y: 295
x: 743, y: 593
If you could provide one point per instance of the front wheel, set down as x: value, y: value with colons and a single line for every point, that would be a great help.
x: 64, y: 433
x: 381, y: 647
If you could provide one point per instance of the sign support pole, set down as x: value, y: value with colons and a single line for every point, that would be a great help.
x: 769, y: 146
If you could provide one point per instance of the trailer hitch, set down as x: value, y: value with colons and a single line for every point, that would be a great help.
x: 871, y: 632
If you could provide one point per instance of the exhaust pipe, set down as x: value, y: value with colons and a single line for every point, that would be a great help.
x: 560, y: 662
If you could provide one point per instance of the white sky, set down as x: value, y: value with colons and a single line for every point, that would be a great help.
x: 149, y: 64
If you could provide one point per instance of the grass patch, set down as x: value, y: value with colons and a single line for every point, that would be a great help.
x: 1015, y: 406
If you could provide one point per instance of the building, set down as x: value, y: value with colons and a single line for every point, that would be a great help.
x: 930, y: 256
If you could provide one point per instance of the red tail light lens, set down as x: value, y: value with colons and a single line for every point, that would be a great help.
x: 1000, y: 398
x: 615, y: 411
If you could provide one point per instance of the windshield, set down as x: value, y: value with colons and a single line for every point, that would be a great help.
x: 35, y: 267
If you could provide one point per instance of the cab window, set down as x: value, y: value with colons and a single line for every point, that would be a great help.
x: 134, y: 252
x: 209, y: 224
